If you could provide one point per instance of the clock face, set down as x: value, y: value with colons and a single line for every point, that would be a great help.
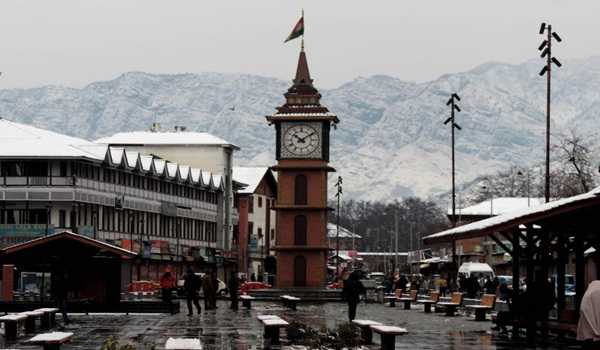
x: 301, y: 140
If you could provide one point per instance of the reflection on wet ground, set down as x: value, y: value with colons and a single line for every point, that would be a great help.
x: 224, y: 329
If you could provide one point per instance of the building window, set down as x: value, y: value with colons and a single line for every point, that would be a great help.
x: 62, y: 218
x: 272, y: 234
x: 250, y: 204
x: 300, y: 195
x: 259, y: 232
x: 260, y: 202
x: 300, y: 230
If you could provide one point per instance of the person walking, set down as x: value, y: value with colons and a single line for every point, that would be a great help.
x: 233, y: 287
x: 191, y: 285
x: 207, y: 291
x: 353, y: 288
x: 167, y: 284
x: 588, y: 327
x: 215, y: 288
x: 60, y: 291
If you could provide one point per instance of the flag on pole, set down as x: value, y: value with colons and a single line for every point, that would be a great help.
x: 297, y: 31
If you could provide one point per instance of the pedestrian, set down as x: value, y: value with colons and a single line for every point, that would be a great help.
x: 215, y: 289
x: 489, y: 286
x: 443, y: 283
x: 402, y: 283
x: 233, y: 287
x: 191, y: 285
x: 167, y: 284
x: 60, y: 291
x: 253, y: 277
x: 588, y: 327
x: 207, y: 291
x: 388, y: 284
x: 540, y: 299
x: 353, y: 288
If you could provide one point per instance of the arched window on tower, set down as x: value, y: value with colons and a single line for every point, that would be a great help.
x: 300, y: 190
x: 300, y: 230
x: 299, y: 271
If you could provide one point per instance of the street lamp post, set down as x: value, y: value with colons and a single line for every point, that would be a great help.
x: 453, y: 107
x: 520, y: 173
x: 546, y: 48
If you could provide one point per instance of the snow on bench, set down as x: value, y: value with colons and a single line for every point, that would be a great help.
x: 365, y: 329
x: 388, y: 335
x: 183, y: 344
x: 51, y: 340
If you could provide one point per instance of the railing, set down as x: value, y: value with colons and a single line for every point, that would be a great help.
x: 36, y: 181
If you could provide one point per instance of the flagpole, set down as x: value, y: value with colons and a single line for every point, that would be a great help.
x: 302, y: 41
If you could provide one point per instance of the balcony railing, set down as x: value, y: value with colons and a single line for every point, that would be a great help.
x: 36, y: 181
x: 113, y: 189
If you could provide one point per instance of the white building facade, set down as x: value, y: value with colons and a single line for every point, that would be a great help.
x: 167, y: 212
x: 200, y: 150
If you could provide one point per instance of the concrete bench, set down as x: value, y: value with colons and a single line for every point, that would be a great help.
x: 272, y: 324
x: 49, y: 317
x: 487, y: 303
x: 388, y: 335
x: 407, y: 299
x: 30, y: 320
x: 434, y: 297
x: 51, y: 341
x: 183, y: 344
x: 365, y: 329
x: 391, y: 298
x: 453, y: 304
x: 247, y: 300
x: 290, y: 301
x: 11, y: 325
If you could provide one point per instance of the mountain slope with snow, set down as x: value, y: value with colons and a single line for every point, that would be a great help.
x: 390, y: 143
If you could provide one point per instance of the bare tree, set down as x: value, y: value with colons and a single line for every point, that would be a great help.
x: 576, y: 153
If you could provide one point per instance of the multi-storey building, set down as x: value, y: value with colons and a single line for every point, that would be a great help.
x: 196, y: 149
x: 167, y: 212
x: 255, y: 232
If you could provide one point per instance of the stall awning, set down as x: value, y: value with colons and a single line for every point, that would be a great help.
x: 514, y: 219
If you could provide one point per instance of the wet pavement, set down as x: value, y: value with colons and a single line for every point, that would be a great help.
x: 224, y: 329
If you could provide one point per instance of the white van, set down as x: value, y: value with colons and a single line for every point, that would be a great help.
x: 480, y: 270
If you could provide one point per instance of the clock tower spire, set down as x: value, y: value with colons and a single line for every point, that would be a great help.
x: 302, y: 128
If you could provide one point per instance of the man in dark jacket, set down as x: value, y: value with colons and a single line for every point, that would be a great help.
x: 353, y: 288
x: 233, y: 287
x: 191, y: 284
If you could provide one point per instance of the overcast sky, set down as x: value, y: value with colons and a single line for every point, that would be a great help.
x: 79, y: 41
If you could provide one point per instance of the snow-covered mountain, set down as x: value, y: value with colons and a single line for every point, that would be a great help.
x: 390, y: 143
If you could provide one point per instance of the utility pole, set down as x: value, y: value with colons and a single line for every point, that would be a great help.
x: 338, y: 194
x: 396, y: 240
x: 546, y: 48
x: 453, y: 107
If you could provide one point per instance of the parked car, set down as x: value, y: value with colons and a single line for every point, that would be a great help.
x: 377, y: 276
x: 246, y: 286
x: 221, y: 290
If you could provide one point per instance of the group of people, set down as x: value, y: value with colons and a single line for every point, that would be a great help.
x: 192, y: 283
x: 474, y: 285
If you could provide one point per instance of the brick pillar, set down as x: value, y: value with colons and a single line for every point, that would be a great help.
x: 8, y: 276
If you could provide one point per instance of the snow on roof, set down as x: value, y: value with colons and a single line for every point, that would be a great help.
x: 498, y: 206
x: 21, y: 141
x: 344, y: 232
x: 522, y: 215
x: 164, y: 138
x: 381, y: 253
x: 24, y: 141
x: 250, y: 176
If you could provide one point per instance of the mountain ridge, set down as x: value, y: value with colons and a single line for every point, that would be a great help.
x: 390, y: 143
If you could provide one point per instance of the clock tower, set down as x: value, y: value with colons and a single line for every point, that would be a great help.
x: 302, y: 127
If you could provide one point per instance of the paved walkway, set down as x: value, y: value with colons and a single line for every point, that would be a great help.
x: 223, y: 329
